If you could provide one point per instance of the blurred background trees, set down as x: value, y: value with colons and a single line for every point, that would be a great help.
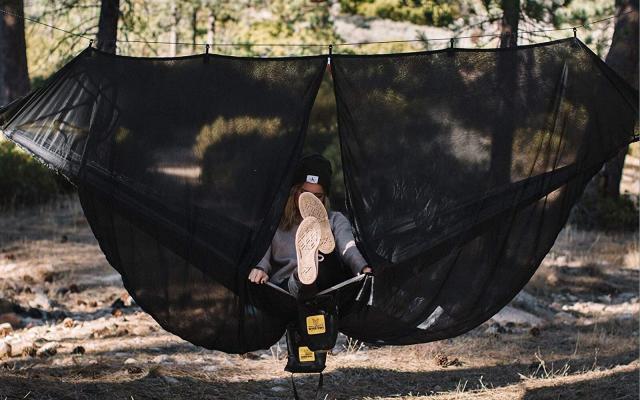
x: 31, y: 52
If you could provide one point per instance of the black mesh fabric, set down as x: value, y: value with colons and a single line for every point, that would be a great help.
x: 461, y: 167
x: 183, y: 166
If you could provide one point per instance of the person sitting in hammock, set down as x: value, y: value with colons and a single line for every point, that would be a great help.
x: 292, y: 261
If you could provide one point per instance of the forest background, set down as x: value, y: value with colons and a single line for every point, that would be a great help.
x: 31, y: 50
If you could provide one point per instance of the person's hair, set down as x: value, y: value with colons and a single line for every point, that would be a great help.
x: 291, y: 216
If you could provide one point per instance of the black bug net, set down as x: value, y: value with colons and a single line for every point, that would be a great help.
x: 461, y: 167
x: 183, y: 166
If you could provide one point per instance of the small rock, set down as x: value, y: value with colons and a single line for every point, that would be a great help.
x: 28, y: 279
x: 41, y: 301
x: 68, y: 323
x: 116, y: 312
x: 78, y: 350
x: 535, y: 331
x: 20, y: 348
x: 93, y: 304
x: 279, y: 389
x: 73, y: 288
x: 5, y: 329
x: 62, y: 291
x: 81, y: 302
x: 48, y: 350
x: 161, y: 358
x: 437, y: 388
x: 129, y: 361
x: 516, y: 316
x: 5, y: 349
x: 210, y: 368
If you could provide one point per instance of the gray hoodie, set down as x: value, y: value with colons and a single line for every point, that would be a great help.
x: 280, y: 260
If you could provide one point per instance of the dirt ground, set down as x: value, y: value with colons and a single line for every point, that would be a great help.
x: 571, y: 334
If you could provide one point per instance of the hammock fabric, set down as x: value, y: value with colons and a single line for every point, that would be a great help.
x: 461, y: 168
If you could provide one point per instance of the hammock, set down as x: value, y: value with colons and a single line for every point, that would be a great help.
x: 461, y: 167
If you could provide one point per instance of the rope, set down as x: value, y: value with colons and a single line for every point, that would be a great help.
x: 247, y: 44
x: 42, y: 23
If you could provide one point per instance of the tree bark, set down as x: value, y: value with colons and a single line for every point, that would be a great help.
x: 108, y: 25
x: 14, y: 74
x: 194, y: 27
x: 173, y: 32
x: 502, y: 140
x: 510, y: 20
x: 623, y: 58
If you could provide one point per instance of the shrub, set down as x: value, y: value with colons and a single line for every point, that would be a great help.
x: 421, y: 12
x: 24, y: 180
x: 595, y: 211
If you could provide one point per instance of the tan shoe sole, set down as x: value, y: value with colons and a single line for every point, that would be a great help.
x: 311, y: 206
x: 307, y: 241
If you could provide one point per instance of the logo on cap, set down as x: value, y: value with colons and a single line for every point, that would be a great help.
x: 312, y: 179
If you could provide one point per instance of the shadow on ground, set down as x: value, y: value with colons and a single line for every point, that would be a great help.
x: 147, y: 382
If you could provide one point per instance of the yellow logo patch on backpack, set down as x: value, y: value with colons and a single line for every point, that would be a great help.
x: 305, y: 354
x: 315, y: 324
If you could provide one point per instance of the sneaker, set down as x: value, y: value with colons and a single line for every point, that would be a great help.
x: 307, y: 241
x: 310, y: 206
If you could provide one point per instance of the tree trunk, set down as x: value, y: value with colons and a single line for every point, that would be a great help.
x: 108, y: 25
x: 623, y: 58
x: 510, y: 20
x: 194, y: 28
x: 14, y: 74
x: 502, y: 140
x: 173, y: 33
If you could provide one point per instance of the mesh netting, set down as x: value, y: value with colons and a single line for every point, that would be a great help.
x: 461, y: 167
x: 183, y: 166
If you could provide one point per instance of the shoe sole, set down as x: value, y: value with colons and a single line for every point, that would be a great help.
x: 307, y: 242
x: 310, y: 206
